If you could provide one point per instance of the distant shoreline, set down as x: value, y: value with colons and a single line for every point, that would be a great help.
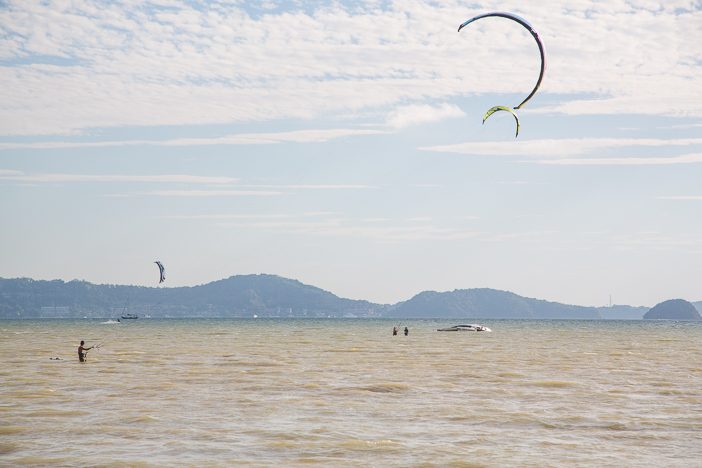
x: 270, y: 296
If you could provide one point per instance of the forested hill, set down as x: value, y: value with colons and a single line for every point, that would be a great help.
x: 491, y: 303
x: 272, y: 296
x: 237, y: 296
x: 673, y: 309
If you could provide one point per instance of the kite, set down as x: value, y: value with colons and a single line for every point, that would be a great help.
x: 161, y: 272
x: 506, y: 109
x: 540, y: 44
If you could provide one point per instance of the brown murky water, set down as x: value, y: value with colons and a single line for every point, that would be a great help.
x: 347, y: 393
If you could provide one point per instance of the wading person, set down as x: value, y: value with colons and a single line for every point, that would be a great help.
x: 83, y: 352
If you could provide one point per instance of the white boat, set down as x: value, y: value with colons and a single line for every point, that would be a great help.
x: 471, y: 327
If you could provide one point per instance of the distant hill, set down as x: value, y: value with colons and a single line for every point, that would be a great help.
x: 622, y: 312
x: 237, y: 296
x: 273, y: 296
x: 487, y: 303
x: 674, y: 309
x: 698, y: 306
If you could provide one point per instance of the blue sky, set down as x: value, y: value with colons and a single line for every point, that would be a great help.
x: 340, y: 144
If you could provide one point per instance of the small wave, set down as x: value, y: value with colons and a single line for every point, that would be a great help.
x: 617, y: 426
x: 554, y: 383
x: 9, y: 430
x: 261, y: 363
x: 385, y: 388
x: 146, y: 418
x: 40, y: 461
x: 470, y: 418
x: 283, y: 444
x: 672, y: 392
x: 29, y: 394
x: 8, y: 447
x: 110, y: 322
x: 360, y: 444
x: 52, y: 413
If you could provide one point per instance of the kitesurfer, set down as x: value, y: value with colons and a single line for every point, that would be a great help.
x: 406, y: 331
x: 82, y: 351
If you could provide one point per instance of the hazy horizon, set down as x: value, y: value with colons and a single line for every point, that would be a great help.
x: 340, y: 144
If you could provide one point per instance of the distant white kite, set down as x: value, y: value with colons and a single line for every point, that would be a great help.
x: 161, y: 272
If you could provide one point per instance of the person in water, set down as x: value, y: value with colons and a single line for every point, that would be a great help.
x: 394, y: 331
x: 406, y: 331
x: 83, y: 352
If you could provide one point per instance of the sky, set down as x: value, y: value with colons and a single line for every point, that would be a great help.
x: 341, y: 143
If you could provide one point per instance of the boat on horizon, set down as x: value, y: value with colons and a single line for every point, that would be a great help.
x: 129, y: 317
x: 469, y: 327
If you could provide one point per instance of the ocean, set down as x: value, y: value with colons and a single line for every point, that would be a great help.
x: 266, y: 392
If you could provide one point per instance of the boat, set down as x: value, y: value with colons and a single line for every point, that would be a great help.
x: 471, y: 327
x: 129, y: 316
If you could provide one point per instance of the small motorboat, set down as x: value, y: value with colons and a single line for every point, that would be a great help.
x: 471, y: 327
x: 129, y: 317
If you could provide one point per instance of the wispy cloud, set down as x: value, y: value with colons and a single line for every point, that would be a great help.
x: 201, y: 193
x: 299, y: 136
x: 71, y: 66
x: 313, y: 186
x: 406, y: 116
x: 240, y: 216
x: 18, y: 176
x: 376, y: 229
x: 682, y: 126
x: 331, y: 224
x: 513, y: 182
x: 557, y: 147
x: 239, y: 189
x: 242, y: 191
x: 653, y: 161
x: 681, y: 197
x: 10, y: 173
x: 654, y: 240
